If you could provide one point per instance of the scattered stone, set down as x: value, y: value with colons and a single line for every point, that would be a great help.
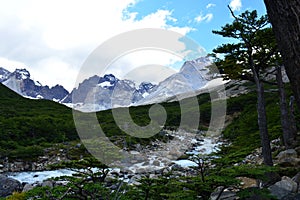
x: 221, y: 194
x: 135, y: 180
x: 152, y: 176
x: 8, y: 186
x: 254, y: 158
x: 247, y: 182
x: 47, y: 184
x: 177, y: 167
x: 134, y: 152
x: 156, y: 163
x: 146, y: 163
x: 28, y: 187
x: 60, y: 183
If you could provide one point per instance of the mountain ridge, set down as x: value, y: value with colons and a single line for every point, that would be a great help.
x: 20, y: 81
x: 101, y: 93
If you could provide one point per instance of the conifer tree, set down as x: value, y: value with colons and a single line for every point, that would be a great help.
x: 248, y: 59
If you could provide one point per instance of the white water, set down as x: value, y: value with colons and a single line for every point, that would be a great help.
x: 40, y: 176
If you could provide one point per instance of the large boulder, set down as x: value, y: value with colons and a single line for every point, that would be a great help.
x: 288, y: 158
x: 8, y: 186
x: 284, y: 188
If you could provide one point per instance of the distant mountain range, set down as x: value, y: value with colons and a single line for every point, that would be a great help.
x: 21, y: 82
x: 101, y: 93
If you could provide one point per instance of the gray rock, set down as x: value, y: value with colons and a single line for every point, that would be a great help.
x: 220, y: 194
x: 47, y: 184
x: 292, y: 197
x: 278, y: 192
x: 8, y: 186
x: 156, y: 163
x: 61, y: 183
x: 287, y: 153
x: 283, y: 188
x: 296, y: 178
x: 288, y: 158
x: 28, y: 187
x: 289, y: 183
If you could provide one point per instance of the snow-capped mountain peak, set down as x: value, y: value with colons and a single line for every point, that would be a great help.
x: 21, y: 82
x: 192, y: 76
x: 100, y: 93
x: 21, y: 74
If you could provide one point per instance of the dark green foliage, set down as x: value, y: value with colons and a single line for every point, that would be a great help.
x: 255, y: 47
x: 27, y: 125
x: 177, y: 188
x: 256, y: 193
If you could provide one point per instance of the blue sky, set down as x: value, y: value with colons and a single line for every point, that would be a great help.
x: 52, y: 39
x: 214, y: 14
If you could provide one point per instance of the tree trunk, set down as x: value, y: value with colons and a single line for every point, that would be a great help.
x: 286, y: 123
x: 293, y: 120
x: 284, y: 16
x: 262, y: 121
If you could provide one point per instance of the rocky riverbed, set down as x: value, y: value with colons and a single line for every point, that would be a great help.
x: 151, y: 159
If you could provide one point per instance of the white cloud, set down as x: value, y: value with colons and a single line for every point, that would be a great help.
x: 56, y: 71
x: 204, y: 18
x: 53, y: 38
x: 144, y: 59
x: 210, y: 5
x: 11, y: 65
x: 235, y: 5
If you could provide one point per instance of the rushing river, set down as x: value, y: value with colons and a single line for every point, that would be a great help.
x: 206, y: 146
